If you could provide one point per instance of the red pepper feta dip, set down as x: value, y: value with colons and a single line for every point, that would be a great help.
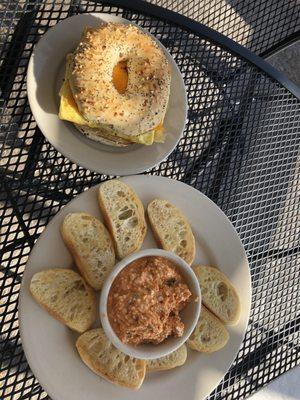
x: 145, y: 300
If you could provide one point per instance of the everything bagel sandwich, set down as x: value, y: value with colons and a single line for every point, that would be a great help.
x: 116, y: 87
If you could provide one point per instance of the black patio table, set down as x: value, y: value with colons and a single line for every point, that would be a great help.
x: 240, y: 147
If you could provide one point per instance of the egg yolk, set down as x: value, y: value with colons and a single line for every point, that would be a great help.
x: 120, y: 76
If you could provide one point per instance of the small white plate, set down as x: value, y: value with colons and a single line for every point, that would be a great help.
x: 44, y: 78
x: 50, y: 347
x: 189, y: 315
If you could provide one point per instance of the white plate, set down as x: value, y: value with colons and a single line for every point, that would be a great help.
x: 44, y: 78
x: 49, y: 346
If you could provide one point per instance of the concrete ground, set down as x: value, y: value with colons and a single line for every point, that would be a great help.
x: 288, y: 61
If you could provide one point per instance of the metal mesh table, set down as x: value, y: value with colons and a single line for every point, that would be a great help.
x: 240, y: 147
x: 260, y: 25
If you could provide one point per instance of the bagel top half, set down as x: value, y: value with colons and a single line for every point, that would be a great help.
x: 141, y: 105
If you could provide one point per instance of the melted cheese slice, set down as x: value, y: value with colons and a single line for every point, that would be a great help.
x: 68, y: 109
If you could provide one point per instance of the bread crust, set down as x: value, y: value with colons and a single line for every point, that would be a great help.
x: 57, y: 316
x: 101, y: 369
x: 215, y: 324
x: 111, y: 220
x: 164, y: 217
x: 213, y: 293
x: 157, y: 365
x: 104, y: 248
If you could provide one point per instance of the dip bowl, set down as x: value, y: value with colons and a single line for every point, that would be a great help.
x: 189, y: 315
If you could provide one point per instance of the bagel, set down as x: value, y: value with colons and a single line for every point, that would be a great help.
x: 102, y: 136
x: 117, y: 86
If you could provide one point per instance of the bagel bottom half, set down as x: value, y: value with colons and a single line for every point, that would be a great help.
x: 101, y: 136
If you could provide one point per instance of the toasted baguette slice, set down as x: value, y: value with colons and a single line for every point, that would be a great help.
x: 66, y: 296
x: 90, y: 245
x: 218, y: 294
x: 209, y: 335
x: 171, y: 229
x: 172, y: 360
x: 124, y: 215
x: 105, y: 360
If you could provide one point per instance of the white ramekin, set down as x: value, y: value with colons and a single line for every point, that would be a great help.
x: 189, y: 314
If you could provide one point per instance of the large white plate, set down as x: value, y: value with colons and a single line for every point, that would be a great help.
x: 49, y: 346
x: 44, y: 78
